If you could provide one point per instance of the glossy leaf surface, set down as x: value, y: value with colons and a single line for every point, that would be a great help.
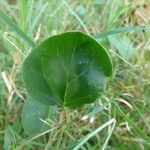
x: 69, y: 69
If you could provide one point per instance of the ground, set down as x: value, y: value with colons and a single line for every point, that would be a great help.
x: 126, y: 100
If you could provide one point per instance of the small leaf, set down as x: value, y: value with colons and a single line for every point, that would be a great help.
x: 123, y: 45
x: 69, y: 69
x: 32, y: 115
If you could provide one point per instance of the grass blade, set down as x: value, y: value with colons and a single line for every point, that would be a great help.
x: 75, y: 15
x: 136, y: 129
x: 12, y: 25
x: 121, y: 30
x: 38, y: 16
x: 109, y: 135
x: 23, y: 14
x: 27, y: 141
x: 90, y: 135
x: 140, y: 114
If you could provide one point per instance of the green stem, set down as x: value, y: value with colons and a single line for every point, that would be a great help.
x: 66, y: 115
x: 60, y: 136
x: 63, y: 128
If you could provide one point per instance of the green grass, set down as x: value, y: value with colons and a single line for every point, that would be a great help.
x: 126, y: 98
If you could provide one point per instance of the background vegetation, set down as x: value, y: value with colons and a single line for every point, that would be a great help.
x: 126, y: 98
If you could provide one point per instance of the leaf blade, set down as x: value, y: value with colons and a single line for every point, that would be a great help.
x: 69, y: 69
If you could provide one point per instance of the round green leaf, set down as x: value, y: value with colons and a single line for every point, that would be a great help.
x: 32, y: 114
x: 69, y: 69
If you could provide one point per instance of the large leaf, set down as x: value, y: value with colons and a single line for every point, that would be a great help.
x: 69, y: 69
x: 32, y: 115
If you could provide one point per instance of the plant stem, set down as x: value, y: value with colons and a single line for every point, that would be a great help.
x: 66, y: 115
x: 60, y: 137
